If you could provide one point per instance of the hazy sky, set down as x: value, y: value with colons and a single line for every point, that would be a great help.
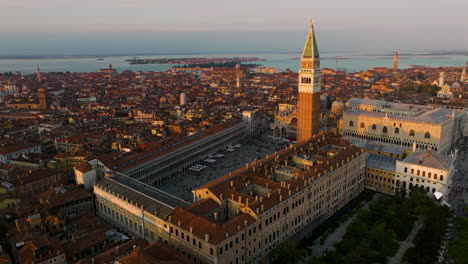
x: 44, y: 27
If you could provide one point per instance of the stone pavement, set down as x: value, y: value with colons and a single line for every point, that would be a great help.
x: 459, y: 198
x: 257, y: 148
x: 404, y: 245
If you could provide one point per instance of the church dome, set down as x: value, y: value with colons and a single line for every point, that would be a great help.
x: 337, y: 107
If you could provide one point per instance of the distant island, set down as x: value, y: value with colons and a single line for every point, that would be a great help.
x: 229, y: 64
x: 194, y: 61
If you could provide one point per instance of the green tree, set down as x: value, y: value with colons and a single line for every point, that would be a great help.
x: 289, y: 252
x: 457, y: 249
x: 357, y: 228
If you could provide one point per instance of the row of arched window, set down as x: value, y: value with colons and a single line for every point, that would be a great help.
x: 423, y: 173
x: 391, y: 139
x: 306, y: 80
x: 385, y: 129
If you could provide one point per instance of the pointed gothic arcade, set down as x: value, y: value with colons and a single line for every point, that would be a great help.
x: 308, y: 121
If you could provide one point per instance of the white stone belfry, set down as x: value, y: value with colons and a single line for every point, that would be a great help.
x: 38, y: 73
x: 238, y: 84
x: 183, y: 99
x: 441, y: 79
x: 463, y: 74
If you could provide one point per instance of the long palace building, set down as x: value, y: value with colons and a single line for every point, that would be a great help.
x: 404, y: 126
x: 242, y: 216
x: 159, y: 163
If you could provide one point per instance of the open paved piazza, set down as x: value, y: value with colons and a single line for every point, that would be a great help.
x: 257, y: 148
x: 458, y: 194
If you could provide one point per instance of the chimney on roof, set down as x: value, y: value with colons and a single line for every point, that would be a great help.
x: 262, y: 207
x: 238, y: 228
x: 289, y: 192
x: 232, y: 183
x: 191, y: 230
x: 261, y: 198
x: 258, y: 211
x: 227, y: 235
x: 245, y: 222
x: 240, y: 199
x: 215, y: 216
x: 207, y: 237
x: 268, y: 195
x: 179, y: 223
x: 281, y: 198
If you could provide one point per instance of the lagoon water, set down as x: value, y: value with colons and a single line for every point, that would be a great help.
x: 342, y: 61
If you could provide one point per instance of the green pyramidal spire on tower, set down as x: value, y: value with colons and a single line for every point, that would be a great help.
x: 311, y: 48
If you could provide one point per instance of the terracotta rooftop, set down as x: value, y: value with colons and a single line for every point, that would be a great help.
x: 17, y: 147
x: 259, y: 187
x: 49, y: 247
x: 84, y: 167
x: 156, y: 252
x: 115, y: 252
x: 53, y: 200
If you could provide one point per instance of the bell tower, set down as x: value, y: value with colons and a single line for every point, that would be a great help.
x: 42, y: 99
x: 308, y: 121
x: 395, y: 61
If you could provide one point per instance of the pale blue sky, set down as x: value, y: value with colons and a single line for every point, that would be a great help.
x: 38, y: 27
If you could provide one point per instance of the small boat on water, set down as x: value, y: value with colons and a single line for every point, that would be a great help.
x: 99, y: 59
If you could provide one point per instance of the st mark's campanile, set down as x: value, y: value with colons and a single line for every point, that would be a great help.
x: 308, y: 119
